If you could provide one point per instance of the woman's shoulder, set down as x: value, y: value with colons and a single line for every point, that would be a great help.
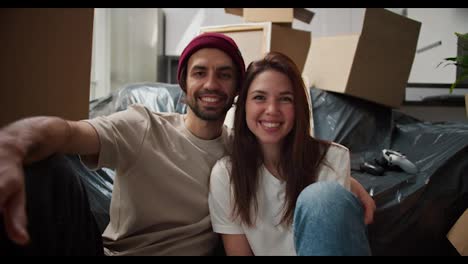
x: 224, y: 162
x: 336, y: 148
x: 221, y: 170
x: 337, y: 153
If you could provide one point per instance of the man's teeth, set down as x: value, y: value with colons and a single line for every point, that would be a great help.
x: 209, y: 99
x: 269, y: 124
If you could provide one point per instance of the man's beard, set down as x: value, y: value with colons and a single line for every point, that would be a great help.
x: 212, y: 113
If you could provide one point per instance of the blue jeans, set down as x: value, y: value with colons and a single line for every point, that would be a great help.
x: 329, y: 220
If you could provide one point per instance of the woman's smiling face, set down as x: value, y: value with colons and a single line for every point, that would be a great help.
x: 270, y: 107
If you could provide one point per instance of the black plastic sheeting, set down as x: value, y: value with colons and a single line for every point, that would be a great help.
x: 415, y: 211
x: 159, y: 97
x: 99, y: 185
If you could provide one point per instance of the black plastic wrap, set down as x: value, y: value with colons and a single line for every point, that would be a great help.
x: 159, y: 97
x: 415, y: 211
x: 99, y: 185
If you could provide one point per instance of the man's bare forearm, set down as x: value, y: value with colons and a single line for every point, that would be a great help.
x: 37, y: 137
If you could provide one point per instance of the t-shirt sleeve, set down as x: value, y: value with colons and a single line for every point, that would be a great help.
x: 338, y: 158
x: 121, y: 135
x: 220, y: 202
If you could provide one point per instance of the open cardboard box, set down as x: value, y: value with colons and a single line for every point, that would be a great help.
x: 283, y: 16
x: 373, y: 65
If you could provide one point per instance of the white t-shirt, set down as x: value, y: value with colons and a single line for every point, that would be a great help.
x: 266, y: 237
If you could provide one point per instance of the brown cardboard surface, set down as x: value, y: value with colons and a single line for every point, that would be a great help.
x: 458, y: 234
x: 373, y: 65
x: 278, y: 15
x: 234, y: 11
x: 255, y: 39
x: 275, y: 15
x: 294, y: 43
x: 466, y: 104
x: 329, y: 61
x: 303, y: 15
x: 45, y: 62
x: 251, y: 39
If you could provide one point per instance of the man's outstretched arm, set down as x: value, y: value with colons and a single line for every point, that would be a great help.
x: 30, y: 140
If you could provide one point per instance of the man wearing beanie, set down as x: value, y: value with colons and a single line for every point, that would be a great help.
x: 162, y: 162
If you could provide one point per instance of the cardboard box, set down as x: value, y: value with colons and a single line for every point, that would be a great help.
x: 274, y: 15
x: 458, y: 234
x: 45, y: 65
x: 466, y: 104
x: 256, y: 39
x: 373, y: 65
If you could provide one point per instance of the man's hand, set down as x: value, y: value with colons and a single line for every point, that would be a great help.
x: 30, y: 140
x: 12, y: 194
x: 366, y: 200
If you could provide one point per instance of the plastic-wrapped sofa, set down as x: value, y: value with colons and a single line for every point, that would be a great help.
x: 415, y: 211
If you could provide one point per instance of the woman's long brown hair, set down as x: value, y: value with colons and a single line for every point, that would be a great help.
x: 301, y: 154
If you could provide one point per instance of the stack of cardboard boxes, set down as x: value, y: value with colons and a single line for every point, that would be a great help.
x: 268, y: 29
x: 373, y: 65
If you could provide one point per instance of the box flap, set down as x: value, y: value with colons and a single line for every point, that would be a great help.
x: 329, y: 62
x: 303, y: 15
x: 458, y: 234
x: 275, y: 15
x: 292, y: 42
x: 234, y: 11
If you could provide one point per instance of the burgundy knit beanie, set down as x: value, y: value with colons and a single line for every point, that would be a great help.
x: 212, y: 40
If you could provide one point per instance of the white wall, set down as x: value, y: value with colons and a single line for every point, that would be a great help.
x: 182, y: 24
x: 135, y: 44
x: 127, y: 43
x: 101, y: 55
x: 437, y: 24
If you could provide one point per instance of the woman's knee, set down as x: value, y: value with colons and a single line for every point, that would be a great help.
x: 327, y: 196
x: 329, y: 220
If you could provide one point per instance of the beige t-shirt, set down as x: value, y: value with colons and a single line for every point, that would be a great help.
x: 159, y: 202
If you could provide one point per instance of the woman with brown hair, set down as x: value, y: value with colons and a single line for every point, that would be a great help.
x: 281, y: 191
